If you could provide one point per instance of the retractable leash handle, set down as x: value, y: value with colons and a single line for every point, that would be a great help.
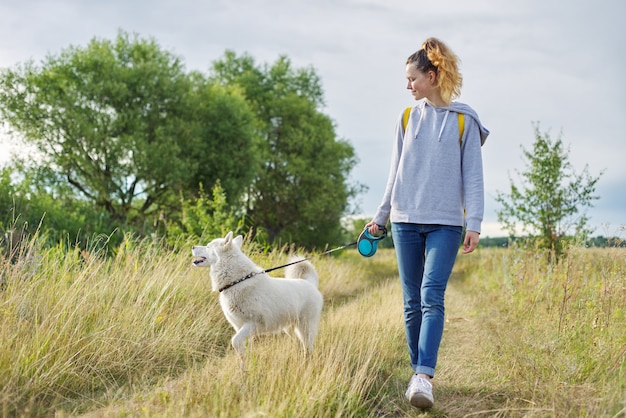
x: 367, y: 243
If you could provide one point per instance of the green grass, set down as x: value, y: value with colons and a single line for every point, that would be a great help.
x: 554, y: 335
x: 140, y: 334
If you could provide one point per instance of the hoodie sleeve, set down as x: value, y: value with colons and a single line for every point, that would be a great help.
x: 384, y: 209
x: 472, y: 172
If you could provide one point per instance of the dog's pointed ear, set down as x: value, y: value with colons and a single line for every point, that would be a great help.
x: 238, y: 240
x: 228, y: 238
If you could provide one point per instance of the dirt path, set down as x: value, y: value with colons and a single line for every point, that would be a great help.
x: 460, y: 388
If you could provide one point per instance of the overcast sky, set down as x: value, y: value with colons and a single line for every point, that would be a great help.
x: 559, y: 63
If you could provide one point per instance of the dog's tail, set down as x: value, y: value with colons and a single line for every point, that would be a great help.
x: 302, y: 270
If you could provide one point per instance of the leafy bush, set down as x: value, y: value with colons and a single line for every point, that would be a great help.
x: 204, y: 218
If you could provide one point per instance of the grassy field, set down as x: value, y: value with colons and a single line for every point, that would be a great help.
x: 140, y: 334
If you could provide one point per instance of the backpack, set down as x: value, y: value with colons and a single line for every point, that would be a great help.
x: 407, y: 112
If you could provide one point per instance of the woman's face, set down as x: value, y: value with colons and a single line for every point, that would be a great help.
x: 421, y: 84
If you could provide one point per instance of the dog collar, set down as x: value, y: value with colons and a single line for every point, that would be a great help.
x: 246, y: 277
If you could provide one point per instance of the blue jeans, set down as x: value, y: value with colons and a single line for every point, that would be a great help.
x: 426, y: 255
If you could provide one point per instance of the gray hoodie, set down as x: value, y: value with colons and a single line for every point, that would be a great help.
x: 433, y: 179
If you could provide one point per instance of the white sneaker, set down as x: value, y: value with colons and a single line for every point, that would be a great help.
x: 420, y: 392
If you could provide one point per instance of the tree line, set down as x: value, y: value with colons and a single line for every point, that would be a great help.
x: 125, y: 139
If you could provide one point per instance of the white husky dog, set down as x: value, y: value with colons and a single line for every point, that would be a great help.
x: 255, y: 303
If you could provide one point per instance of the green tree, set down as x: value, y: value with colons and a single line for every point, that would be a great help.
x: 302, y: 189
x: 226, y: 141
x: 29, y: 205
x: 551, y: 199
x: 127, y: 128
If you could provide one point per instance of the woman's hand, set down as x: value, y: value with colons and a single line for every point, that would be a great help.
x: 373, y: 228
x: 471, y: 241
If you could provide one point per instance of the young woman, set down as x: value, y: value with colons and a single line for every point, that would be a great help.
x: 434, y: 190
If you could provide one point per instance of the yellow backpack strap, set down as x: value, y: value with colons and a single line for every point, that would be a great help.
x: 405, y: 118
x: 461, y: 129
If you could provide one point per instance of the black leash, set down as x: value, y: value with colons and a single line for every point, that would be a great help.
x: 228, y: 286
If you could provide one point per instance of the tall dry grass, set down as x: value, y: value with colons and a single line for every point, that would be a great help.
x: 552, y: 336
x: 78, y: 327
x: 140, y: 334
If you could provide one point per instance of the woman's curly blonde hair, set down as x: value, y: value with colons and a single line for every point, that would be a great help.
x: 436, y: 56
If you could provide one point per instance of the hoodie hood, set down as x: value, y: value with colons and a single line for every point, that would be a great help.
x: 468, y: 111
x: 456, y: 107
